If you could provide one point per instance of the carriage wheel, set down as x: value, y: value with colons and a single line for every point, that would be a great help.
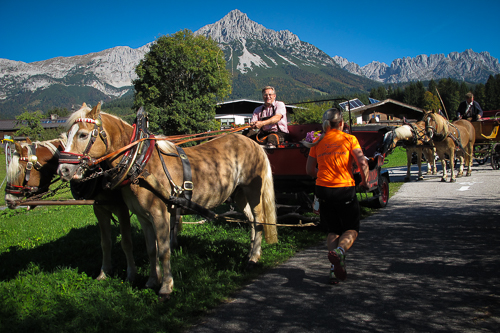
x: 481, y: 153
x: 495, y: 156
x: 383, y: 189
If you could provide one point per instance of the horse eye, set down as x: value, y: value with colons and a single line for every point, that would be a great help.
x: 83, y: 136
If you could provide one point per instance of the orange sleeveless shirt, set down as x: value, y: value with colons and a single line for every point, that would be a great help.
x: 335, y: 161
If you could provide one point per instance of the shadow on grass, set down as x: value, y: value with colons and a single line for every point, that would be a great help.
x: 81, y: 249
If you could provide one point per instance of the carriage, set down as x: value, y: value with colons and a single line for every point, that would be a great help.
x: 293, y: 185
x: 487, y: 144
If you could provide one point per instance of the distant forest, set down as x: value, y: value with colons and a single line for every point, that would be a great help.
x: 451, y: 92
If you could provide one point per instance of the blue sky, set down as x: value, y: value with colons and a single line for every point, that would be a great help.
x: 360, y: 31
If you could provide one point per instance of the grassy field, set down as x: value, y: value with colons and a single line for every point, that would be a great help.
x: 51, y: 255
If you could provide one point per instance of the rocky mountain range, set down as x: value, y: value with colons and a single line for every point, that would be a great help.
x: 255, y: 55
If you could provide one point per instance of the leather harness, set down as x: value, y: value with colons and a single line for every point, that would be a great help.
x: 131, y: 168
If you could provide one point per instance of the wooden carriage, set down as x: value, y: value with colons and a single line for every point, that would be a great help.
x: 487, y: 143
x: 292, y: 184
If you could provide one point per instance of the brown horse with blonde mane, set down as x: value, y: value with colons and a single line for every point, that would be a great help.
x: 450, y: 139
x: 228, y: 165
x: 31, y: 172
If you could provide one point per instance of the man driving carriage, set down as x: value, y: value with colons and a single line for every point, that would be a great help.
x: 469, y: 109
x: 269, y: 122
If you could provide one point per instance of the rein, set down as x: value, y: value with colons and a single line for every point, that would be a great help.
x: 176, y: 139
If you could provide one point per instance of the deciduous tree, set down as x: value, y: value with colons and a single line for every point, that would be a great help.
x: 180, y: 81
x: 30, y: 125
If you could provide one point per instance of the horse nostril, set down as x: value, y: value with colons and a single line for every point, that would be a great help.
x: 63, y: 171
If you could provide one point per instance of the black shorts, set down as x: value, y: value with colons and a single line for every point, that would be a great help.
x: 338, y: 208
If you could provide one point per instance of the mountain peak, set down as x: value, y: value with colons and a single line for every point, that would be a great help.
x: 236, y: 25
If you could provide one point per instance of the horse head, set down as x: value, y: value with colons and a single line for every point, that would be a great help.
x: 87, y: 140
x: 32, y: 168
x: 436, y: 126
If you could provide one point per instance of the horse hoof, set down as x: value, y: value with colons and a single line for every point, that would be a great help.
x: 163, y: 297
x: 420, y: 178
x: 443, y: 180
x: 101, y: 276
x: 453, y: 180
x: 251, y: 265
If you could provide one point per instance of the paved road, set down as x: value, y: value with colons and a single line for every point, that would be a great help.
x: 428, y: 262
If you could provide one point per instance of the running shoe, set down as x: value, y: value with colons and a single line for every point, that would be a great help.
x: 333, y: 278
x: 337, y: 258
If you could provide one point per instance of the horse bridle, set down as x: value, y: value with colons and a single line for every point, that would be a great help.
x: 84, y: 158
x: 432, y: 131
x: 31, y: 162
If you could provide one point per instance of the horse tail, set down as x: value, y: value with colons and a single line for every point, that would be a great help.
x: 268, y: 201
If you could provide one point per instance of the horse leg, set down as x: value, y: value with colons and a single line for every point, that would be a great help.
x: 469, y: 153
x: 419, y: 163
x: 452, y: 164
x: 432, y: 154
x: 131, y: 199
x: 441, y: 155
x: 161, y: 219
x: 431, y: 161
x: 122, y: 213
x: 461, y: 168
x: 408, y: 165
x: 154, y: 266
x: 176, y: 226
x: 104, y: 221
x: 255, y: 229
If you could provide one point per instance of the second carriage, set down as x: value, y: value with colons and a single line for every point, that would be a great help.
x: 487, y: 143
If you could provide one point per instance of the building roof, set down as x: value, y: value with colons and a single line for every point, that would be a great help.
x: 389, y: 106
x: 10, y: 124
x: 244, y: 106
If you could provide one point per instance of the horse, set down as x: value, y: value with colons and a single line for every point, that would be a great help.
x: 415, y: 140
x: 209, y: 173
x: 31, y: 171
x: 448, y: 138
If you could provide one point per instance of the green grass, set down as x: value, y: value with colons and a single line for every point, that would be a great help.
x: 396, y: 159
x: 51, y: 255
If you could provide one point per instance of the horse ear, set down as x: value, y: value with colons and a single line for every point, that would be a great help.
x: 95, y: 111
x: 19, y: 149
x: 84, y: 105
x: 28, y: 140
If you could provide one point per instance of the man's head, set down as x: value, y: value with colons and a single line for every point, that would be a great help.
x: 469, y: 97
x: 269, y: 95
